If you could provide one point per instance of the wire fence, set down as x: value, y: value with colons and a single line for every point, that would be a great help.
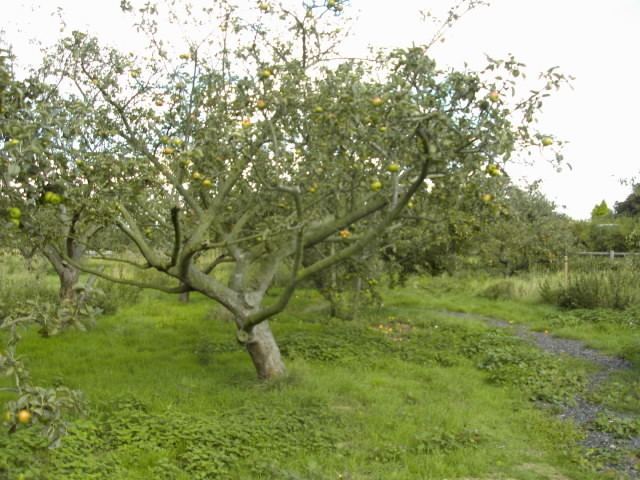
x: 586, y: 262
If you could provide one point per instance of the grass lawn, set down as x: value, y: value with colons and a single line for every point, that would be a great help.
x: 404, y: 393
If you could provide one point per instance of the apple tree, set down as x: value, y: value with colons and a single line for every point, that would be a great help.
x: 525, y: 233
x: 46, y: 152
x: 254, y: 153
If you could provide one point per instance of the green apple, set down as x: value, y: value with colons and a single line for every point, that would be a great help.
x: 494, y: 170
x: 546, y: 141
x: 206, y: 183
x: 394, y: 167
x: 376, y: 185
x: 494, y: 96
x: 377, y: 101
x: 261, y: 104
x: 52, y: 197
x: 14, y: 213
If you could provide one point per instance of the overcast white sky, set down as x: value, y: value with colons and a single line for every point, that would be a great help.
x: 597, y: 41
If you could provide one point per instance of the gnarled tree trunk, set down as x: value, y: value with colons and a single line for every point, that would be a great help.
x: 264, y: 352
x: 68, y: 279
x: 67, y: 274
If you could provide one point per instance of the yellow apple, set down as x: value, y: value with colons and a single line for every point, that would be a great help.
x: 345, y: 233
x: 261, y: 104
x: 265, y: 73
x: 377, y: 101
x: 486, y: 197
x: 196, y: 175
x: 246, y: 123
x: 206, y: 183
x: 546, y: 141
x: 494, y: 96
x: 168, y: 150
x: 24, y: 416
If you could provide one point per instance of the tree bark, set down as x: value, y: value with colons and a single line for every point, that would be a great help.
x: 68, y: 279
x: 67, y: 274
x: 264, y: 352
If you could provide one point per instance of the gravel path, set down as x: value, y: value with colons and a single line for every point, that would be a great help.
x: 583, y: 413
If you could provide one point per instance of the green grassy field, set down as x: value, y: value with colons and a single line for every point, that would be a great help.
x: 406, y: 392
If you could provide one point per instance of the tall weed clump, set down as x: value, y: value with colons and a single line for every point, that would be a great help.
x: 616, y: 288
x: 20, y: 281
